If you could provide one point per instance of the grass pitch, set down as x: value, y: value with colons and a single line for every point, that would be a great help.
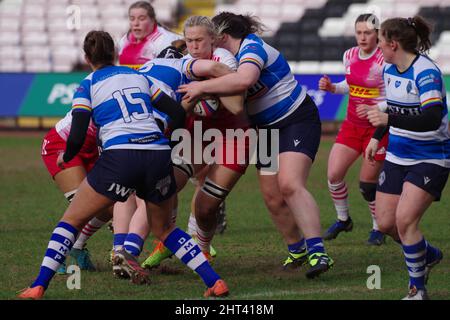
x: 250, y: 252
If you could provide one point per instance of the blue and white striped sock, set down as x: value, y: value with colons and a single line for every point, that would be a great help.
x: 61, y: 242
x: 133, y: 244
x: 119, y: 239
x: 187, y: 250
x: 297, y: 247
x: 415, y: 258
x: 315, y: 245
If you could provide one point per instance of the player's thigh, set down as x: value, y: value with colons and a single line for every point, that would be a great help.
x: 386, y: 206
x: 294, y: 170
x: 339, y: 161
x: 370, y: 170
x: 70, y: 178
x: 413, y: 203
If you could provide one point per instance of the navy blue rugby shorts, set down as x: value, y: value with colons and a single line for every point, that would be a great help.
x: 299, y: 132
x: 118, y: 173
x: 427, y: 176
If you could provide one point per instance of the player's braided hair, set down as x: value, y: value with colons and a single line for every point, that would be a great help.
x: 237, y: 25
x: 413, y: 34
x: 99, y: 48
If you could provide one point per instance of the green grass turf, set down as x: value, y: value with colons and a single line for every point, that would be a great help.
x: 250, y: 252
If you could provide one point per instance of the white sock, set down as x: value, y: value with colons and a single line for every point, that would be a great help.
x: 89, y: 229
x: 192, y: 226
x: 204, y: 238
x: 372, y: 212
x: 339, y: 194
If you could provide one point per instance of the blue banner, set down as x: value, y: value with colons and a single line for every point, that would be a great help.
x: 13, y: 90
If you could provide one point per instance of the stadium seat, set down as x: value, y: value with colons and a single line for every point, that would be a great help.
x: 38, y: 66
x: 11, y: 65
x: 7, y: 24
x: 10, y: 52
x: 9, y: 38
x: 62, y: 39
x: 34, y: 25
x: 34, y: 38
x: 32, y: 53
x: 308, y: 67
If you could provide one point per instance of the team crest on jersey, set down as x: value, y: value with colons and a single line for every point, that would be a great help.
x: 409, y: 87
x: 163, y: 185
x: 398, y: 83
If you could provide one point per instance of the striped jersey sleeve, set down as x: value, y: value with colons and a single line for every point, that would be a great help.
x: 82, y: 97
x: 429, y: 84
x: 253, y: 53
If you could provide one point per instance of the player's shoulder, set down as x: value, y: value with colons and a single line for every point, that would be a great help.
x: 425, y: 64
x: 222, y: 53
x: 169, y: 34
x: 351, y: 53
x: 378, y: 56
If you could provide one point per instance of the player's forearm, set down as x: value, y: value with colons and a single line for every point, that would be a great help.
x: 77, y: 135
x: 229, y: 84
x: 341, y: 87
x: 210, y: 69
x: 429, y: 120
x: 234, y: 104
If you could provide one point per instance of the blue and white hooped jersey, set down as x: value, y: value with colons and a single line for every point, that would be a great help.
x: 276, y: 94
x: 168, y: 75
x: 418, y: 88
x: 120, y: 102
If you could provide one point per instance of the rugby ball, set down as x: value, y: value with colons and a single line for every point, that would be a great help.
x: 206, y: 108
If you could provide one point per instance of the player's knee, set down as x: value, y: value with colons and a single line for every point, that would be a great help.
x: 368, y: 190
x: 405, y: 223
x: 69, y: 195
x: 213, y: 190
x: 289, y: 188
x: 385, y: 224
x: 185, y: 168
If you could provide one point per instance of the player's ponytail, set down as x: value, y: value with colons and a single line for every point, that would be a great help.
x: 413, y: 34
x: 99, y: 48
x: 237, y: 25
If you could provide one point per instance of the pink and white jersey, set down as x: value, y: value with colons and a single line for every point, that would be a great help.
x: 63, y: 127
x: 364, y: 77
x: 134, y: 55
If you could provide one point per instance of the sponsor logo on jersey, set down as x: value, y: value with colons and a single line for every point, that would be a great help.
x: 409, y: 87
x: 398, y: 83
x: 363, y: 92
